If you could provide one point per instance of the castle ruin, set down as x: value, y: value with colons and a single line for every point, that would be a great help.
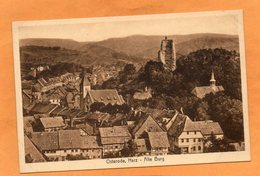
x: 167, y: 54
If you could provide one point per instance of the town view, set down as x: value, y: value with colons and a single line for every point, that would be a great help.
x: 133, y: 96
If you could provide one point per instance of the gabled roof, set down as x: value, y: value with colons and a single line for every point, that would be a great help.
x: 32, y: 151
x: 64, y: 139
x: 200, y: 92
x: 69, y: 139
x: 158, y: 139
x: 182, y: 123
x: 147, y: 123
x: 57, y: 93
x: 44, y: 108
x: 158, y: 114
x: 45, y: 140
x: 106, y: 96
x: 209, y: 127
x: 52, y: 122
x: 115, y: 131
x: 105, y: 117
x: 59, y: 110
x: 89, y: 142
x: 170, y: 122
x: 27, y: 92
x: 86, y: 127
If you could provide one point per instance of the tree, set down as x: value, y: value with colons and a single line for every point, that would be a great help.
x: 129, y: 69
x: 186, y: 103
x: 196, y: 68
x: 228, y: 112
x: 129, y: 149
x: 202, y: 110
x: 213, y: 144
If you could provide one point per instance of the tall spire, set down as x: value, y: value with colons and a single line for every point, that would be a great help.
x: 212, y: 80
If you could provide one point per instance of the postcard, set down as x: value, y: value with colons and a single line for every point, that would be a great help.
x: 131, y: 91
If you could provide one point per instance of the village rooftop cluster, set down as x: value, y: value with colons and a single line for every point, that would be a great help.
x: 59, y: 124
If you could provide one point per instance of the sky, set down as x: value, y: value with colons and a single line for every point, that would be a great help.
x: 104, y: 28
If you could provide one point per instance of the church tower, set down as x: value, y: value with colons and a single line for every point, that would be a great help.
x: 167, y: 54
x: 85, y: 86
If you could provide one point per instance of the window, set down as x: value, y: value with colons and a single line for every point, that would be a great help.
x: 187, y: 133
x: 187, y: 140
x: 72, y: 150
x: 199, y: 140
x: 194, y: 140
x: 199, y: 147
x: 195, y: 132
x: 76, y: 150
x: 194, y: 148
x: 116, y: 147
x: 65, y: 151
x: 182, y: 140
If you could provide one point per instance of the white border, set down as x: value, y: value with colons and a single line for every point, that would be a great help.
x: 101, y: 163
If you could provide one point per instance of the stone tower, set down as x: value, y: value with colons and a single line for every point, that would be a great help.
x: 167, y: 54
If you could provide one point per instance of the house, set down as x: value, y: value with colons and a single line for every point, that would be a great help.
x: 52, y: 123
x: 32, y: 154
x: 159, y: 143
x: 27, y: 98
x: 45, y: 85
x: 105, y: 96
x: 72, y: 143
x: 57, y: 95
x: 105, y: 119
x: 145, y: 125
x: 202, y: 91
x: 209, y: 128
x: 42, y: 108
x: 90, y: 147
x: 61, y: 145
x: 113, y: 139
x: 85, y: 129
x: 185, y: 136
x: 47, y: 143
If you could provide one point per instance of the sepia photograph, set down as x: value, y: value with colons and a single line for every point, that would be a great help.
x: 131, y: 91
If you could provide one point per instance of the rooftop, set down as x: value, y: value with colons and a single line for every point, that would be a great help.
x: 200, y: 92
x: 115, y: 131
x: 158, y: 139
x: 52, y: 122
x: 106, y: 96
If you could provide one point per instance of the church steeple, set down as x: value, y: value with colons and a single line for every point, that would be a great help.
x: 212, y: 80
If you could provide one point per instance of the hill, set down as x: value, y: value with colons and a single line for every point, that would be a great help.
x: 93, y: 54
x: 136, y: 48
